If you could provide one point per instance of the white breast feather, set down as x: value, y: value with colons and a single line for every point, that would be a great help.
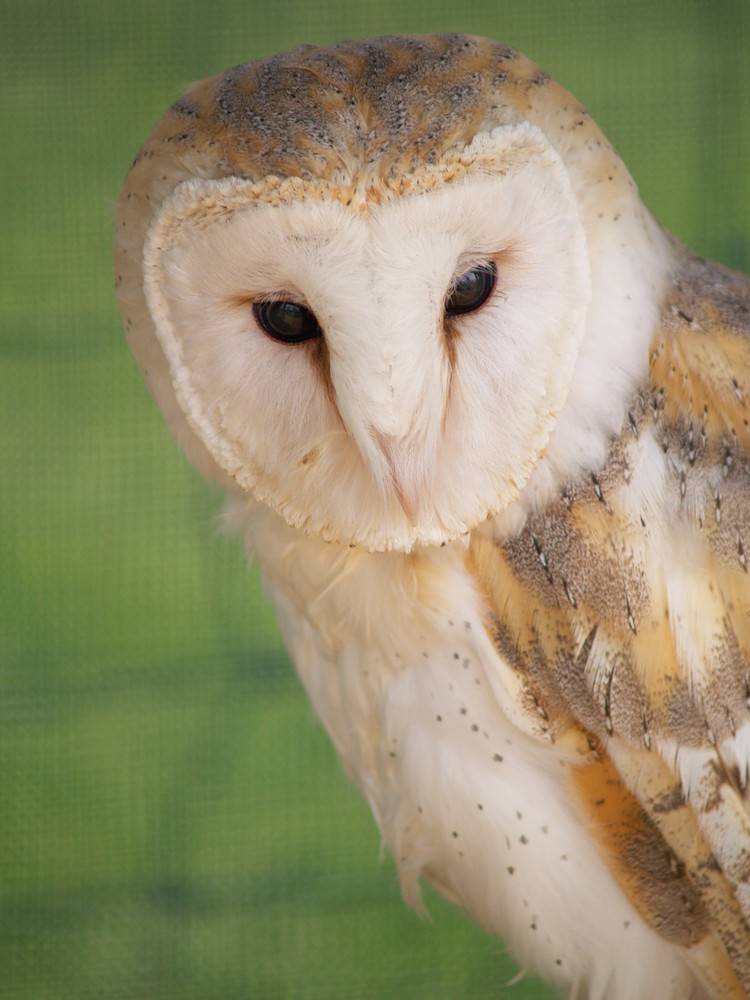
x: 394, y: 656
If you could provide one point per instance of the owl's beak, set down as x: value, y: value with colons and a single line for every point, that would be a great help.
x: 405, y: 487
x: 409, y: 502
x: 391, y: 394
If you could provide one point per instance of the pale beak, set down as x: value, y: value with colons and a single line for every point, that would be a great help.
x: 407, y: 488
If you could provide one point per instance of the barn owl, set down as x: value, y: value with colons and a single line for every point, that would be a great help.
x: 484, y: 426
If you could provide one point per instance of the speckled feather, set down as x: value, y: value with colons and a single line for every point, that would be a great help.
x: 542, y: 690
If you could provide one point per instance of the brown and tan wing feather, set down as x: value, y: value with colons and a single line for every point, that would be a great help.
x: 624, y: 608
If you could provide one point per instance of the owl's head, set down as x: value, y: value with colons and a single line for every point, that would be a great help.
x: 387, y: 288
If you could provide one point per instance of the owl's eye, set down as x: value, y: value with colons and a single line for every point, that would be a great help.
x: 287, y: 322
x: 471, y: 290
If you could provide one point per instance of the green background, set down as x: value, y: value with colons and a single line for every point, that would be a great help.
x: 173, y: 822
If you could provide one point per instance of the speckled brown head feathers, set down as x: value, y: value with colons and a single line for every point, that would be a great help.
x: 389, y: 104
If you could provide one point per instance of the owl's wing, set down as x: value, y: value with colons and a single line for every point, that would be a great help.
x: 624, y: 612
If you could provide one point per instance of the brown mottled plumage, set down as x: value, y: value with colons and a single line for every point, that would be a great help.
x: 578, y: 609
x: 507, y: 541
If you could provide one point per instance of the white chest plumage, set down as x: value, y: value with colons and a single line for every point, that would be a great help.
x: 394, y: 654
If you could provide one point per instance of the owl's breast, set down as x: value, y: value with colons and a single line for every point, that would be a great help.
x: 394, y: 654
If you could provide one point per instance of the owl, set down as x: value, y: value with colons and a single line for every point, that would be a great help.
x: 483, y: 424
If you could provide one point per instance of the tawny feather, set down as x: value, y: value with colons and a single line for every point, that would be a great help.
x: 626, y: 603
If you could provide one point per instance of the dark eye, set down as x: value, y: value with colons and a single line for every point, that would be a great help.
x: 471, y: 290
x: 287, y: 322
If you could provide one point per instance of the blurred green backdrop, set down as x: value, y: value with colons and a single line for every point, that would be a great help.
x: 173, y: 822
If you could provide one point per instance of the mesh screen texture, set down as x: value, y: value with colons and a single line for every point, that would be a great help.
x: 174, y: 823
